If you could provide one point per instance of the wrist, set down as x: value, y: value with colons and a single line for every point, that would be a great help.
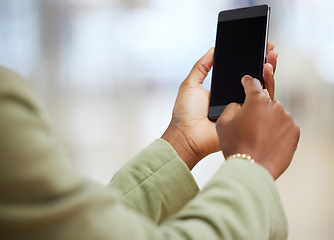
x: 242, y: 156
x: 257, y: 159
x: 175, y: 137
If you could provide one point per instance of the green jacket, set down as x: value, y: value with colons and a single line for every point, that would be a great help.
x: 154, y: 196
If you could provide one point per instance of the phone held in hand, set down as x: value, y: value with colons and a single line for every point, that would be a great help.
x: 241, y: 45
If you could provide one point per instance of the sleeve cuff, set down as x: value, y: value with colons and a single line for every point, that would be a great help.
x: 156, y: 182
x: 261, y: 185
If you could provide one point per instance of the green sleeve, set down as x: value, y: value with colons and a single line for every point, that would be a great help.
x: 240, y: 202
x: 156, y: 182
x: 42, y: 196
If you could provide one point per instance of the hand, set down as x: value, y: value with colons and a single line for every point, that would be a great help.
x: 190, y: 132
x: 260, y: 128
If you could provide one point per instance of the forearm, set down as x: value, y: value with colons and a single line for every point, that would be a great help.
x: 240, y: 202
x: 43, y: 197
x: 156, y: 182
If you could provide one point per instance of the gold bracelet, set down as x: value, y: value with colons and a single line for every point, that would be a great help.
x: 244, y: 156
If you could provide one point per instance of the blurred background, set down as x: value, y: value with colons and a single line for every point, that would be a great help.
x: 109, y: 72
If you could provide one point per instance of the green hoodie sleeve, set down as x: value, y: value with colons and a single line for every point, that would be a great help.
x: 42, y: 196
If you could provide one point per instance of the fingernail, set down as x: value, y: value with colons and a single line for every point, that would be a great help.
x: 245, y: 78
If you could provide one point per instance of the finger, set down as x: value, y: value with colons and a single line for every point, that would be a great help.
x: 272, y: 59
x: 270, y: 46
x: 228, y: 114
x: 267, y: 93
x: 251, y: 86
x: 200, y: 70
x: 269, y: 80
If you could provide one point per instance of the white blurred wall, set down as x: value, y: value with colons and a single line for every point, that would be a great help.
x: 109, y: 71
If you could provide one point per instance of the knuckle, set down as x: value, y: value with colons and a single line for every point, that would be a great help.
x: 257, y: 97
x: 279, y: 107
x: 258, y: 94
x: 202, y: 68
x: 297, y: 130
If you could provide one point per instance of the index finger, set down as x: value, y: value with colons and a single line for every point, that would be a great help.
x: 251, y: 86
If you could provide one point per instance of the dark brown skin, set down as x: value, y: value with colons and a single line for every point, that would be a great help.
x: 260, y: 128
x: 190, y: 132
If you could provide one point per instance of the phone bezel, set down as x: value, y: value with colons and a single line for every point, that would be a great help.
x: 237, y: 14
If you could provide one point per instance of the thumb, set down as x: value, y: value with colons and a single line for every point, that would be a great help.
x: 200, y: 70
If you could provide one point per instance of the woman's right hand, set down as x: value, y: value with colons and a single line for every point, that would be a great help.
x: 260, y: 128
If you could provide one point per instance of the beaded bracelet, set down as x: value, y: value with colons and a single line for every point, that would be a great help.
x: 244, y: 156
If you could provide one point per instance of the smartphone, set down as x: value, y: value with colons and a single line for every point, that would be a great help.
x: 241, y: 46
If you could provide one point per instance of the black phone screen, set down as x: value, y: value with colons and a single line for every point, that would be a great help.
x: 240, y: 50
